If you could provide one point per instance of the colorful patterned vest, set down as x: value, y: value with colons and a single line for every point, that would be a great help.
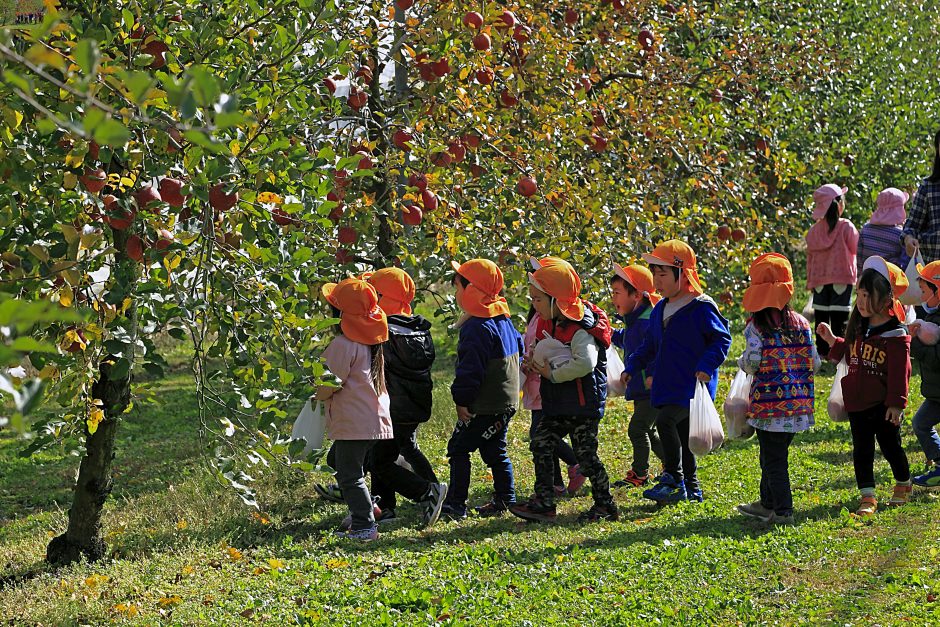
x: 784, y: 385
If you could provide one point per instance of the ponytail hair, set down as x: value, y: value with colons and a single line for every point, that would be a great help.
x: 770, y: 319
x: 377, y: 370
x: 832, y: 214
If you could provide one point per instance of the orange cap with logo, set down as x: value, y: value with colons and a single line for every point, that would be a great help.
x: 562, y: 283
x: 640, y: 278
x: 677, y: 254
x: 930, y: 272
x: 771, y: 283
x: 896, y: 280
x: 361, y: 319
x: 481, y: 298
x: 396, y: 290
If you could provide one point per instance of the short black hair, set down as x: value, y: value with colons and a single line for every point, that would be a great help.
x: 629, y: 286
x: 675, y: 270
x: 464, y: 281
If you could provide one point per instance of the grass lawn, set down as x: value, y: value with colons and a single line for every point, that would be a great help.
x: 185, y: 551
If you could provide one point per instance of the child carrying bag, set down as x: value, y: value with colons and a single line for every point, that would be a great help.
x: 310, y: 426
x: 913, y: 294
x: 705, y: 432
x: 836, y: 404
x: 737, y: 405
x: 615, y: 387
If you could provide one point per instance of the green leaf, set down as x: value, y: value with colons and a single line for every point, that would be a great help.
x: 120, y: 369
x: 87, y: 56
x: 204, y: 85
x: 112, y: 133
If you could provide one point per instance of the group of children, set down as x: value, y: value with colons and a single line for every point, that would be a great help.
x: 673, y: 338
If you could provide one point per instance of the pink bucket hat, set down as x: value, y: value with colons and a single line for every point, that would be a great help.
x: 823, y: 198
x: 890, y: 209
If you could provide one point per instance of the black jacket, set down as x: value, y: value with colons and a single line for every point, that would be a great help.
x: 409, y: 355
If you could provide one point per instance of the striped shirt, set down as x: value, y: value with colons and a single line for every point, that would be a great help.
x: 923, y: 221
x: 883, y: 240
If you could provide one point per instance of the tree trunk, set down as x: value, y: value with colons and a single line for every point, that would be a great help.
x: 83, y: 538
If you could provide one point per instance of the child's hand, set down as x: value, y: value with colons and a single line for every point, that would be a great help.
x: 893, y: 415
x: 625, y: 377
x: 543, y: 369
x: 913, y: 329
x: 649, y: 383
x: 463, y: 414
x: 324, y: 392
x: 703, y: 377
x: 825, y: 332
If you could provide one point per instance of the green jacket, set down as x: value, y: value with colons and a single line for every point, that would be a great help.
x: 929, y: 358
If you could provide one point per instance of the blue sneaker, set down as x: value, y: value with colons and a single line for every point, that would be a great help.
x: 694, y: 495
x: 928, y: 479
x: 668, y: 490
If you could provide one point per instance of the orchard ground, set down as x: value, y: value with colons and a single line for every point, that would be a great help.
x: 185, y: 551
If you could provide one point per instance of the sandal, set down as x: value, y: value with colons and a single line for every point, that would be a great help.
x: 867, y: 507
x: 901, y: 496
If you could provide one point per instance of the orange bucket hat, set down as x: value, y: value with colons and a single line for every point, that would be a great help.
x: 362, y: 320
x: 930, y: 272
x: 771, y: 283
x: 396, y: 290
x: 563, y: 284
x: 546, y: 261
x: 677, y: 254
x: 481, y: 298
x: 896, y: 280
x: 640, y: 278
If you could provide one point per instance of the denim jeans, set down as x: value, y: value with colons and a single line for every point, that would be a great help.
x: 486, y: 433
x: 925, y: 421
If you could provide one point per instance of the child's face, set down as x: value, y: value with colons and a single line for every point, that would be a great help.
x: 666, y: 282
x: 866, y: 305
x: 460, y: 288
x: 932, y: 294
x: 624, y: 302
x: 541, y: 302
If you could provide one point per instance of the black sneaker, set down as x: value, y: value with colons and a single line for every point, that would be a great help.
x: 493, y: 508
x: 387, y: 516
x: 433, y: 503
x: 600, y: 512
x: 452, y: 512
x: 331, y: 492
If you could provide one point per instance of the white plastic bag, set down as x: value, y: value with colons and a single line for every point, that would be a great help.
x: 310, y: 426
x: 737, y: 404
x: 552, y: 351
x: 913, y: 294
x: 615, y: 387
x: 836, y: 404
x: 705, y: 432
x: 927, y: 332
x: 808, y: 311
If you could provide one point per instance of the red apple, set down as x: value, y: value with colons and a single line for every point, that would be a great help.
x: 418, y: 180
x: 508, y: 20
x: 507, y: 99
x: 282, y: 218
x: 482, y: 42
x: 347, y: 235
x: 164, y: 239
x: 365, y: 73
x: 93, y: 150
x: 121, y: 219
x: 176, y: 17
x: 485, y: 76
x: 739, y: 235
x: 135, y: 248
x: 584, y: 84
x: 221, y: 201
x: 411, y: 215
x: 527, y: 186
x: 426, y: 70
x: 471, y: 140
x: 341, y: 179
x: 760, y: 144
x: 476, y: 170
x: 174, y: 141
x: 148, y: 197
x: 522, y: 33
x: 473, y: 20
x: 336, y: 213
x: 457, y: 151
x: 646, y: 39
x: 441, y: 67
x: 330, y: 84
x: 344, y: 256
x: 600, y: 119
x: 157, y: 49
x: 357, y: 98
x: 571, y: 17
x: 598, y: 143
x: 429, y: 200
x: 724, y: 233
x: 365, y: 161
x: 401, y: 139
x: 726, y: 297
x: 76, y: 346
x: 171, y: 192
x: 717, y: 95
x: 335, y: 196
x: 441, y: 159
x: 94, y: 180
x: 404, y: 5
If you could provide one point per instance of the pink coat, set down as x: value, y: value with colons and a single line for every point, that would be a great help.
x: 531, y: 396
x: 830, y: 257
x: 356, y: 411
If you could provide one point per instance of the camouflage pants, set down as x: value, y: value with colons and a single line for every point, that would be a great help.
x: 583, y: 432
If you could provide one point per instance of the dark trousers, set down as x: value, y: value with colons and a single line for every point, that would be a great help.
x: 486, y: 433
x: 583, y: 431
x: 868, y: 426
x: 389, y: 478
x: 643, y: 436
x: 836, y: 320
x: 775, y: 491
x: 348, y: 458
x: 563, y: 451
x: 672, y: 423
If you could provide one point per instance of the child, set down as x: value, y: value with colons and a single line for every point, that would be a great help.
x: 358, y: 410
x: 532, y: 398
x: 928, y: 416
x: 831, y: 244
x: 485, y: 388
x: 882, y: 234
x: 780, y: 354
x: 688, y: 340
x: 633, y: 297
x: 573, y: 392
x: 409, y: 354
x: 877, y: 350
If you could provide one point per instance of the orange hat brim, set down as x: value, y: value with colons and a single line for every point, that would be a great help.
x: 327, y: 291
x: 920, y: 272
x: 764, y: 295
x: 370, y: 329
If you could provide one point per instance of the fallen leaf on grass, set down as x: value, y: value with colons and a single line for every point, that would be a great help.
x: 170, y: 601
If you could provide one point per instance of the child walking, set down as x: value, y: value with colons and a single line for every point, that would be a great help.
x: 779, y: 353
x: 881, y: 235
x: 831, y: 271
x: 633, y: 296
x: 573, y: 391
x: 409, y: 355
x: 485, y: 388
x: 928, y: 415
x: 688, y: 340
x: 877, y: 350
x: 357, y: 410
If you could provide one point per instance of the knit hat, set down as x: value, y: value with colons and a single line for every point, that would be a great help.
x: 676, y: 254
x: 395, y: 288
x: 896, y: 279
x: 563, y: 284
x: 930, y: 272
x: 823, y: 198
x: 361, y: 320
x: 640, y: 278
x: 890, y: 209
x: 771, y: 283
x: 481, y: 298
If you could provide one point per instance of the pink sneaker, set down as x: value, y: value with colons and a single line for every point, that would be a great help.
x: 575, y: 479
x: 346, y: 524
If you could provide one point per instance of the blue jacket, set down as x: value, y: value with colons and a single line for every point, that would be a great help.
x: 696, y: 340
x: 636, y: 327
x: 486, y: 380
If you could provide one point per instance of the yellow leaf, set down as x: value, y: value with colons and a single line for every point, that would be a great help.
x: 368, y: 200
x: 41, y: 55
x: 188, y: 570
x: 233, y: 553
x: 333, y: 563
x: 169, y: 601
x: 95, y: 416
x: 181, y: 524
x: 69, y: 180
x: 276, y: 563
x: 270, y: 197
x: 49, y: 371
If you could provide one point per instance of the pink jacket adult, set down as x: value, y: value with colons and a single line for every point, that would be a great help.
x: 356, y: 411
x: 830, y: 257
x: 531, y: 397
